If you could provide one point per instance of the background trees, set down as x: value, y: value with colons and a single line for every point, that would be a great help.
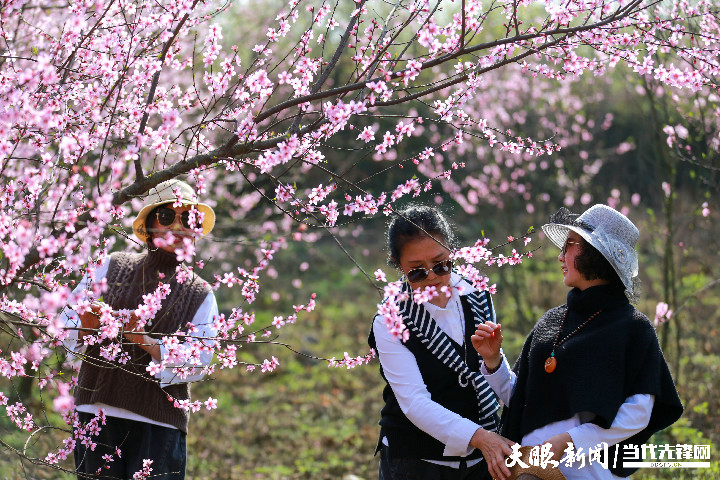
x: 305, y: 122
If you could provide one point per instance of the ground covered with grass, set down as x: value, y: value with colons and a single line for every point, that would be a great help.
x: 305, y: 421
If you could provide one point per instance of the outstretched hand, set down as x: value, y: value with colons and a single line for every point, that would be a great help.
x: 132, y: 323
x: 90, y: 320
x: 487, y: 342
x: 134, y: 334
x: 495, y: 448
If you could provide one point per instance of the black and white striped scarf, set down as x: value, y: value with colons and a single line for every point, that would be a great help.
x: 423, y: 326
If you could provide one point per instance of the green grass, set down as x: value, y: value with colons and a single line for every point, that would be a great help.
x: 304, y: 422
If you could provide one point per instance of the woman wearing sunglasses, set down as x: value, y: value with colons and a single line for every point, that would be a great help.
x: 591, y: 374
x: 142, y: 422
x: 440, y: 416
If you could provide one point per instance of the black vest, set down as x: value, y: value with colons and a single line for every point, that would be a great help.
x: 404, y: 438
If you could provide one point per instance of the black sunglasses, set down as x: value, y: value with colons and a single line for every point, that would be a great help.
x: 419, y: 274
x: 166, y: 217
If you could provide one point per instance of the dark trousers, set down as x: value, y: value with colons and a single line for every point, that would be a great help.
x: 137, y: 441
x: 417, y: 469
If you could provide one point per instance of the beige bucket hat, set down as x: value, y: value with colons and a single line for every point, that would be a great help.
x: 171, y: 191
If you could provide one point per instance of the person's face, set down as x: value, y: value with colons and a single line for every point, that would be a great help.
x: 571, y: 276
x: 176, y: 225
x: 424, y: 252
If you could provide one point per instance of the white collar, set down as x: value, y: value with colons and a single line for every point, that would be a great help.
x: 456, y: 281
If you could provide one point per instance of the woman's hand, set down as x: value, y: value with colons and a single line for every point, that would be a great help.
x: 487, y: 342
x: 135, y: 336
x: 90, y: 320
x: 139, y: 337
x: 558, y: 444
x: 131, y: 325
x: 495, y: 448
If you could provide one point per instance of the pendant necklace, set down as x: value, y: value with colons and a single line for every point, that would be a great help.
x: 551, y: 362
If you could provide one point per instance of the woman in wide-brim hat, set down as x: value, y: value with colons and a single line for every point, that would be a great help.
x: 591, y: 372
x: 142, y: 418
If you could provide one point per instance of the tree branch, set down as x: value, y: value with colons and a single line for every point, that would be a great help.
x: 153, y: 86
x: 565, y: 32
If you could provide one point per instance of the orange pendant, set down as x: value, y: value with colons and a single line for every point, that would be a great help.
x: 550, y: 364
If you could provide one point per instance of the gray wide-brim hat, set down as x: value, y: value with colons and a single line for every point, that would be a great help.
x: 165, y: 192
x: 606, y: 229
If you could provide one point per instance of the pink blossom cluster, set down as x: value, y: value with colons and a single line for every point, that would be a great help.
x: 410, y: 186
x: 151, y: 304
x: 480, y: 253
x: 514, y: 259
x: 194, y: 406
x: 368, y: 204
x: 64, y: 403
x: 504, y: 166
x: 380, y: 275
x: 232, y: 330
x: 390, y: 310
x: 423, y: 295
x: 662, y: 313
x: 183, y: 353
x: 82, y: 434
x: 705, y: 209
x: 15, y: 414
x: 478, y: 280
x: 351, y: 362
x: 251, y: 285
x: 145, y: 471
x: 269, y: 365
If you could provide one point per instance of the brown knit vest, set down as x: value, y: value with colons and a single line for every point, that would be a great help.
x: 129, y: 386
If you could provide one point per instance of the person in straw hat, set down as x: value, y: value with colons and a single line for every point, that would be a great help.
x: 117, y: 378
x: 591, y: 371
